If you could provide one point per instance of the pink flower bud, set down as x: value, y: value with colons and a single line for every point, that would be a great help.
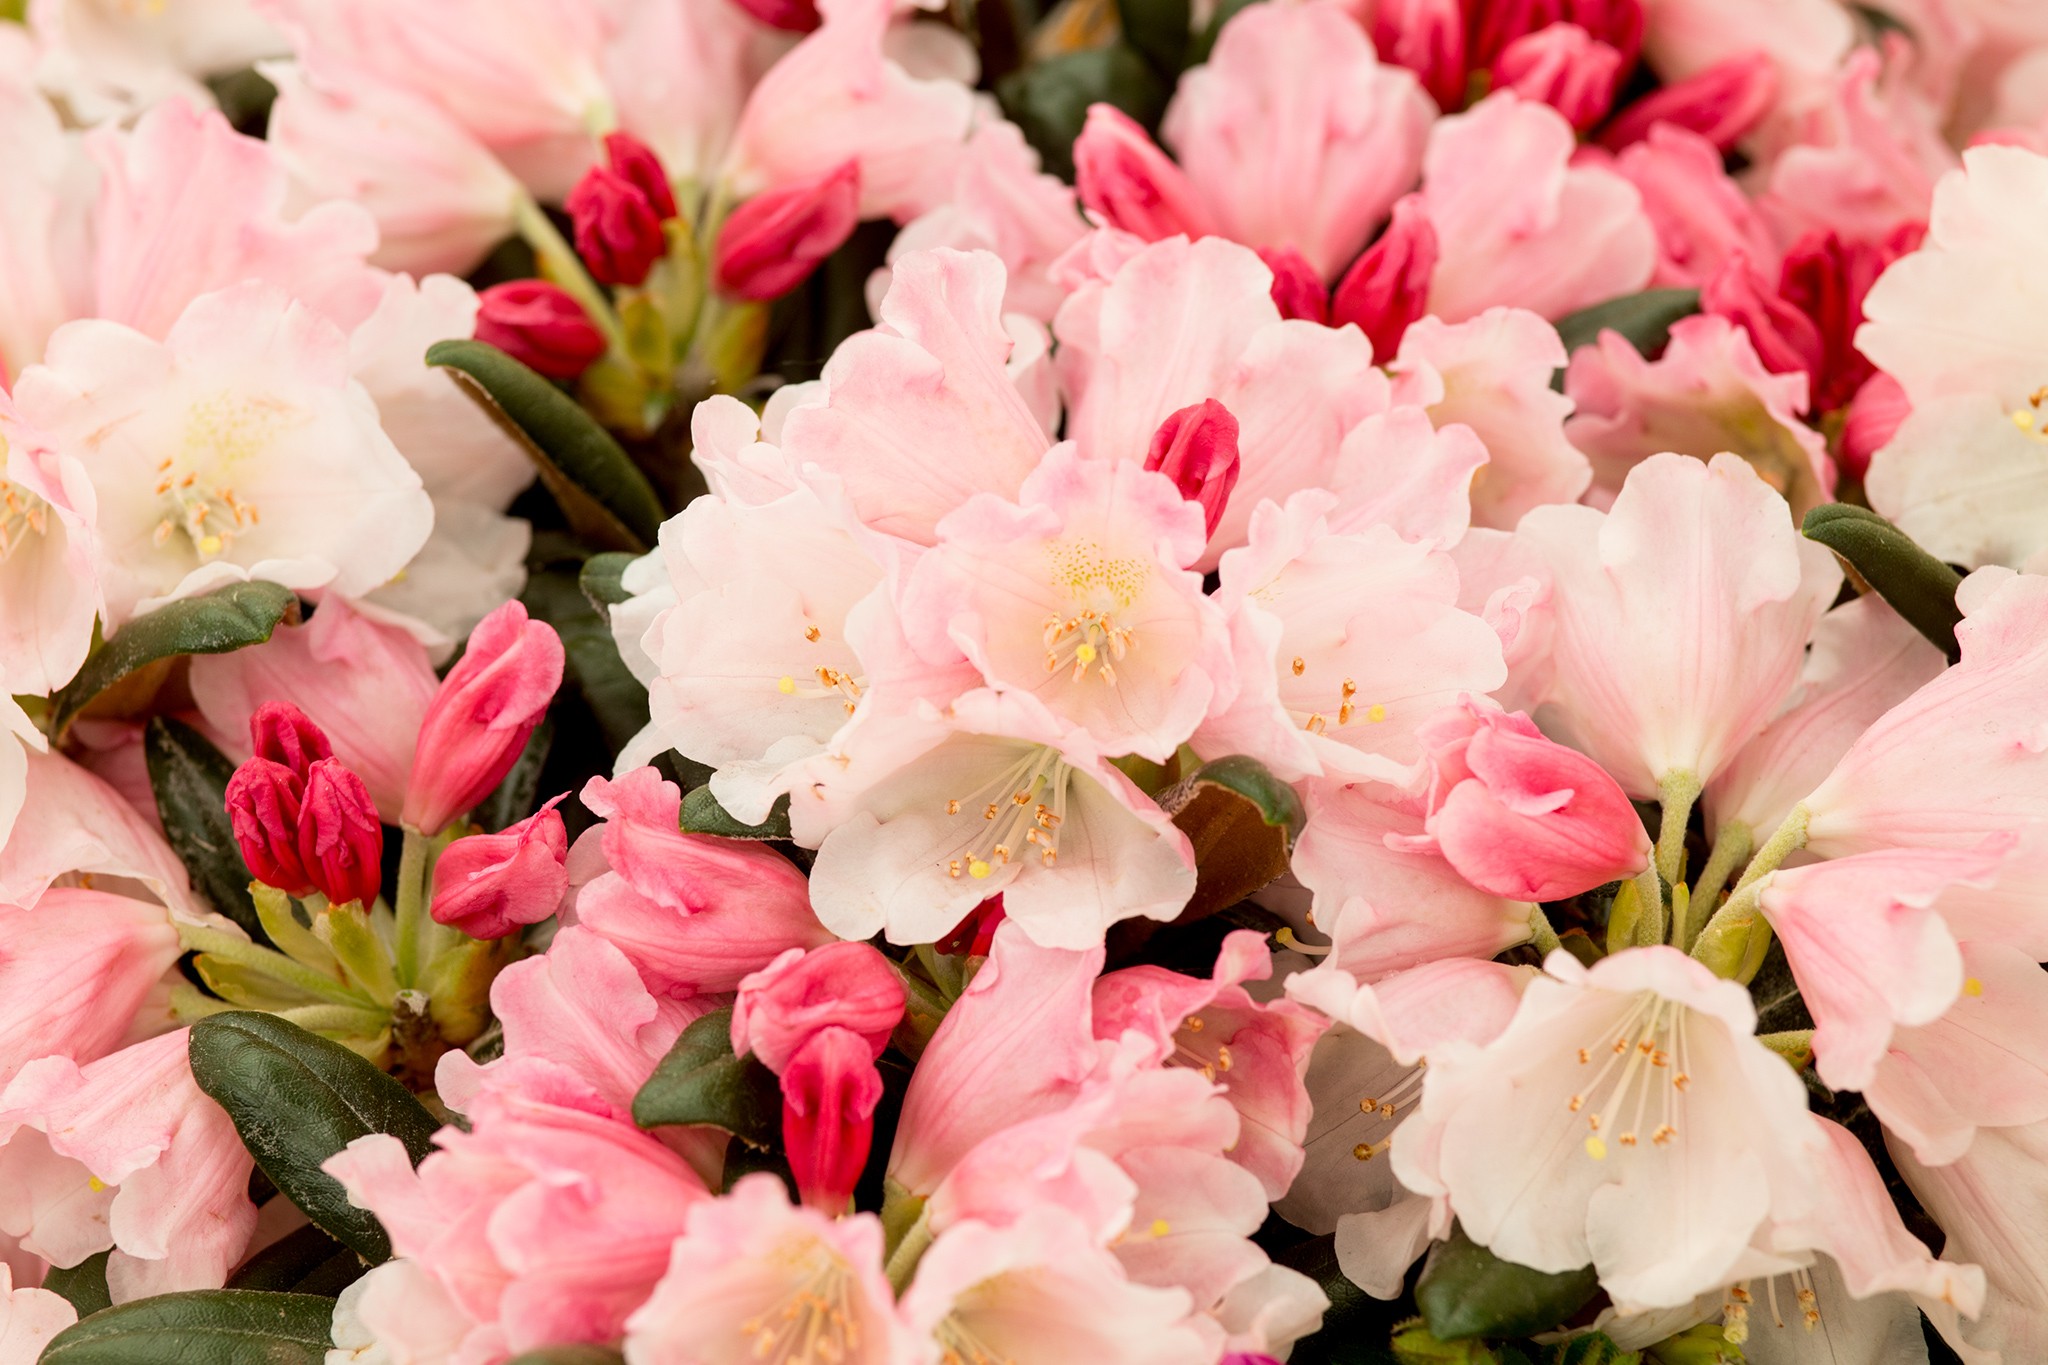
x: 284, y: 734
x: 618, y: 221
x: 1564, y: 67
x: 973, y: 936
x: 482, y: 716
x: 1427, y: 37
x: 1870, y: 421
x: 829, y: 1093
x: 263, y: 801
x: 1785, y: 339
x: 1521, y: 816
x: 539, y: 325
x: 1721, y: 104
x: 341, y: 841
x: 1827, y: 279
x: 847, y: 986
x: 774, y: 240
x: 489, y: 885
x: 1297, y: 290
x: 639, y: 164
x: 1122, y: 175
x: 1388, y: 288
x: 1197, y: 448
x: 791, y: 16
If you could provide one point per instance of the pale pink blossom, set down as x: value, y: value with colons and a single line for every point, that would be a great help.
x: 1993, y: 1204
x: 1805, y: 40
x: 48, y: 575
x: 1707, y: 394
x: 1701, y: 215
x: 1081, y: 594
x: 1295, y: 136
x: 399, y: 1313
x: 46, y: 272
x: 29, y: 1317
x: 753, y: 1277
x: 236, y: 448
x: 126, y: 1153
x: 74, y: 822
x: 78, y: 974
x: 1518, y: 223
x: 106, y: 58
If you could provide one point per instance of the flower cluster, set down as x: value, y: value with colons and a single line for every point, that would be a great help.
x: 717, y: 682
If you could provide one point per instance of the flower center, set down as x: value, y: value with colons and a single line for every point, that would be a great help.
x: 22, y: 514
x: 814, y: 1323
x: 1645, y: 1059
x: 1344, y: 706
x: 822, y: 681
x: 210, y: 516
x: 2028, y: 418
x: 1099, y: 586
x: 1194, y: 1045
x: 1737, y: 1304
x: 1021, y: 808
x: 963, y: 1346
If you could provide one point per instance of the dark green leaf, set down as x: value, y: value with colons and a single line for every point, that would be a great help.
x: 1643, y: 319
x: 208, y: 1327
x: 1919, y: 587
x: 1158, y: 29
x: 601, y: 490
x: 306, y: 1261
x: 600, y: 579
x: 569, y: 1355
x: 1049, y: 100
x: 593, y: 664
x: 297, y: 1099
x: 1357, y: 1325
x: 84, y: 1284
x: 226, y: 619
x: 1467, y: 1291
x: 515, y: 798
x: 700, y: 1081
x: 1242, y: 821
x: 703, y: 815
x: 190, y: 778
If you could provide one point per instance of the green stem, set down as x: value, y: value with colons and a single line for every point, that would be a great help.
x: 1733, y: 843
x: 268, y: 962
x: 908, y: 1252
x: 1727, y: 944
x: 1650, y: 895
x: 412, y: 906
x: 1677, y: 791
x: 1789, y: 837
x: 1541, y: 933
x: 565, y: 268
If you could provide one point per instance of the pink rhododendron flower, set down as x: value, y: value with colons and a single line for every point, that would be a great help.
x: 78, y: 974
x: 1564, y: 67
x: 774, y: 240
x: 490, y: 885
x: 1989, y: 1202
x: 838, y: 985
x: 73, y: 822
x: 1197, y: 449
x: 1720, y: 103
x: 29, y: 1317
x: 1122, y: 175
x: 48, y: 573
x: 1701, y: 215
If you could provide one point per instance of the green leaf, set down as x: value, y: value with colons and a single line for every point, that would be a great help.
x: 1049, y: 100
x: 1158, y: 29
x: 1643, y: 319
x: 1918, y: 586
x: 207, y: 1327
x: 569, y: 1355
x: 1354, y: 1318
x: 616, y: 697
x: 1594, y: 1348
x: 84, y: 1284
x: 1242, y: 821
x: 1415, y: 1344
x: 1467, y: 1291
x: 306, y: 1261
x: 190, y: 779
x: 297, y: 1099
x: 226, y: 619
x: 703, y: 815
x: 700, y: 1081
x: 600, y: 579
x: 600, y: 489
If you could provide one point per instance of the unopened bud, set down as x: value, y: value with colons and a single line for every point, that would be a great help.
x: 639, y: 164
x: 1121, y: 174
x: 791, y: 16
x: 1297, y: 290
x: 490, y: 885
x: 1564, y: 67
x: 1786, y: 340
x: 263, y: 802
x: 539, y: 325
x: 284, y: 734
x: 829, y: 1093
x: 1388, y: 287
x: 482, y: 716
x: 1870, y: 421
x: 341, y: 841
x: 774, y: 240
x: 848, y: 986
x: 618, y: 211
x: 1721, y: 104
x: 1428, y: 38
x: 1197, y: 448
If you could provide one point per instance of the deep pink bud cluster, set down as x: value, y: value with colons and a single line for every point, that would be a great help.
x: 1197, y: 448
x: 1388, y: 287
x: 777, y: 238
x: 1570, y: 54
x: 482, y: 716
x: 303, y: 820
x: 1297, y: 290
x: 1720, y: 104
x: 539, y: 325
x: 618, y: 209
x: 1121, y: 175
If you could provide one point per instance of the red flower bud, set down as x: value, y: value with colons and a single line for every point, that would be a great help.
x: 284, y: 734
x: 482, y: 716
x: 840, y: 985
x: 341, y: 841
x: 975, y: 935
x: 792, y: 16
x: 618, y: 211
x: 539, y: 325
x: 489, y: 885
x: 1786, y: 340
x: 1388, y: 287
x: 1721, y: 104
x: 1122, y: 175
x: 1564, y: 67
x: 775, y: 239
x: 637, y: 162
x: 263, y: 801
x: 1197, y: 448
x: 1427, y: 37
x: 829, y: 1094
x: 1297, y: 290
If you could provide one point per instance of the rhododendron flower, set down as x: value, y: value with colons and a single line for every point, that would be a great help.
x: 481, y: 717
x: 490, y: 885
x: 1701, y: 215
x: 73, y: 822
x: 29, y: 1317
x: 48, y: 576
x: 79, y: 969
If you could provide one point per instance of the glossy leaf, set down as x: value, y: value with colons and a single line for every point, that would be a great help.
x: 703, y: 815
x: 219, y: 622
x: 1918, y: 586
x: 206, y: 1327
x: 701, y: 1081
x: 83, y: 1285
x: 601, y: 579
x: 304, y: 1261
x: 1643, y: 319
x: 592, y: 661
x: 1467, y: 1291
x: 600, y: 489
x: 1242, y: 821
x: 297, y: 1099
x: 189, y: 778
